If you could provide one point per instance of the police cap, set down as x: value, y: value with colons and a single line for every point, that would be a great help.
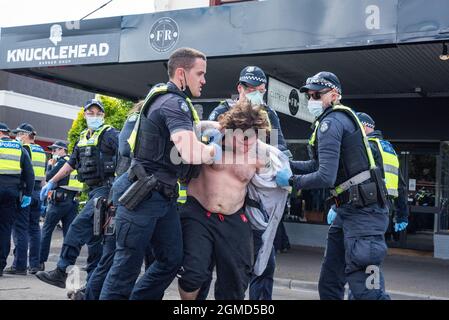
x: 93, y: 102
x: 26, y: 128
x: 252, y: 75
x: 320, y: 81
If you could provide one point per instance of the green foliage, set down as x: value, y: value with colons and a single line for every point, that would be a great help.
x: 116, y: 111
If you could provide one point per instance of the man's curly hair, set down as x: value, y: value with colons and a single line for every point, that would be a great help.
x: 245, y: 116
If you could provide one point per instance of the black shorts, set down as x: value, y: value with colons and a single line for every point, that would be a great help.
x: 213, y: 237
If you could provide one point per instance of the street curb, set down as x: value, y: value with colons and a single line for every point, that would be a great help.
x: 312, y: 287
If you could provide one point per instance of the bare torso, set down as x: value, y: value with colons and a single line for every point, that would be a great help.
x: 221, y: 188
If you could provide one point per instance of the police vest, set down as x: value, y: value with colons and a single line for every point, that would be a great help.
x: 182, y: 191
x: 355, y: 152
x: 72, y: 184
x: 95, y: 166
x: 124, y: 161
x: 38, y: 159
x: 390, y: 165
x: 149, y: 144
x: 10, y: 154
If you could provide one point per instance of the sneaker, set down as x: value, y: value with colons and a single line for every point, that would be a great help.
x: 55, y: 277
x: 12, y: 270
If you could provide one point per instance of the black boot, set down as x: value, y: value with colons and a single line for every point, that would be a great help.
x: 55, y: 277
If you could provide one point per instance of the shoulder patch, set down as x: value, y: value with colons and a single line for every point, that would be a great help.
x: 183, y: 105
x: 325, y: 126
x: 213, y: 115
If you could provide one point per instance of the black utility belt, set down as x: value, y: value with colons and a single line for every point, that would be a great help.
x: 142, y: 187
x: 360, y: 195
x: 61, y: 195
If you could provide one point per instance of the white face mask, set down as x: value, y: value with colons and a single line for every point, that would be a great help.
x: 255, y: 97
x: 315, y: 107
x: 55, y: 157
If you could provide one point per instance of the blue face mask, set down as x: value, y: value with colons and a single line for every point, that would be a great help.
x: 94, y: 122
x: 255, y: 97
x: 315, y: 107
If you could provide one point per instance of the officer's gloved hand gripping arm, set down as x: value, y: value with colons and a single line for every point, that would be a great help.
x: 329, y: 154
x: 27, y: 176
x: 192, y: 151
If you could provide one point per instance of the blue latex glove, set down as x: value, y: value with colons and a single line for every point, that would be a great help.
x: 218, y: 152
x: 26, y: 201
x: 211, y: 135
x: 282, y: 177
x: 331, y: 215
x: 44, y: 192
x: 400, y: 226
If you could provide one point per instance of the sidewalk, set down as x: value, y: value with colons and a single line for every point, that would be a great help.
x: 296, y: 277
x: 406, y: 277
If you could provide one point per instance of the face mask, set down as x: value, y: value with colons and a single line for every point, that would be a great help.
x: 55, y: 157
x: 18, y: 139
x: 186, y: 89
x: 315, y: 107
x: 255, y: 97
x: 94, y: 122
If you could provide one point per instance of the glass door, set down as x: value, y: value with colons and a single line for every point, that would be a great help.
x: 419, y: 165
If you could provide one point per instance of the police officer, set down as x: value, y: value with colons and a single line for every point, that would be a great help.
x: 342, y: 160
x: 386, y: 158
x: 15, y: 166
x: 62, y: 205
x: 95, y: 283
x: 252, y: 87
x: 26, y: 229
x: 165, y: 127
x: 94, y: 158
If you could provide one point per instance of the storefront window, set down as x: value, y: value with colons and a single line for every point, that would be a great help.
x: 307, y: 206
x: 443, y: 225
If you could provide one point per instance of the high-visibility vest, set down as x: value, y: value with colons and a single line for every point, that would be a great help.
x: 38, y: 159
x: 390, y: 165
x: 93, y: 140
x: 73, y: 184
x: 152, y: 95
x: 182, y: 191
x: 10, y: 153
x: 350, y: 112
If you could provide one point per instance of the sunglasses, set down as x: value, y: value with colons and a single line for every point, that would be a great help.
x: 316, y: 95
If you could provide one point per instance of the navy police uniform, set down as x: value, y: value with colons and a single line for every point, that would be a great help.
x: 95, y: 283
x: 26, y: 230
x: 94, y: 158
x: 355, y: 243
x: 154, y: 220
x: 62, y: 205
x: 15, y: 168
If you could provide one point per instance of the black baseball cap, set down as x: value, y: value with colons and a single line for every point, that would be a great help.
x: 58, y: 144
x: 93, y: 102
x: 26, y: 128
x: 252, y: 75
x: 320, y: 81
x: 4, y: 127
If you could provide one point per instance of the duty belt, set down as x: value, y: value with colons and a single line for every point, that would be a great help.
x: 166, y: 190
x: 357, y: 179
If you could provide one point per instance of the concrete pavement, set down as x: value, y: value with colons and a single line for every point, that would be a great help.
x: 296, y: 277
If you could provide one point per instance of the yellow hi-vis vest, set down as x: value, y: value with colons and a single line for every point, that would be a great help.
x: 391, y: 165
x: 93, y: 140
x: 38, y: 159
x: 182, y: 191
x: 155, y: 92
x: 10, y: 153
x: 350, y: 112
x: 74, y: 184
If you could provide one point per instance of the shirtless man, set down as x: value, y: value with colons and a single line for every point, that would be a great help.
x: 215, y: 229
